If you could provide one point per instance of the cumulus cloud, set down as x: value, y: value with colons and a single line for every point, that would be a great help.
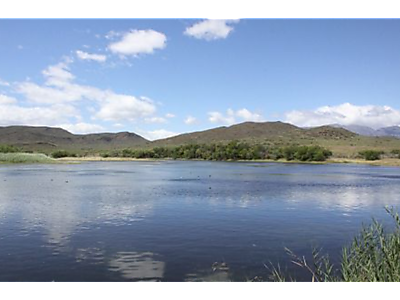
x: 56, y: 101
x: 4, y: 99
x: 124, y: 107
x: 13, y: 114
x: 211, y: 29
x: 82, y: 128
x: 138, y: 42
x: 170, y: 116
x: 346, y: 114
x: 232, y: 117
x: 59, y: 87
x: 155, y: 120
x: 190, y: 120
x: 88, y: 56
x: 4, y: 83
x: 157, y: 134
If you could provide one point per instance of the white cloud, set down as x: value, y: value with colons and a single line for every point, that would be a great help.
x: 346, y: 114
x: 58, y: 75
x: 123, y: 107
x: 247, y: 115
x: 12, y: 114
x: 232, y: 117
x: 88, y: 56
x: 82, y: 128
x: 59, y: 88
x: 4, y: 83
x: 169, y: 115
x: 7, y: 100
x: 155, y: 120
x: 217, y: 117
x: 190, y: 120
x: 210, y: 29
x: 156, y: 134
x: 138, y: 42
x: 60, y: 101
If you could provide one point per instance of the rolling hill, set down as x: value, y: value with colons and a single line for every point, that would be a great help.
x: 342, y: 142
x: 48, y: 139
x: 252, y: 132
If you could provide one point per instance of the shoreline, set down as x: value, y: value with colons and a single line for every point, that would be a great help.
x: 388, y: 162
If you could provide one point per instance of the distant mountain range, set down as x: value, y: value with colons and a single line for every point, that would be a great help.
x: 392, y: 131
x: 341, y: 140
x: 49, y: 139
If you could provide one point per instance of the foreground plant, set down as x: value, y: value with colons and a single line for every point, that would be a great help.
x: 374, y: 255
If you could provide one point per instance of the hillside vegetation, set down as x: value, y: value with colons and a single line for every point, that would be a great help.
x: 48, y: 140
x: 269, y: 135
x: 233, y: 150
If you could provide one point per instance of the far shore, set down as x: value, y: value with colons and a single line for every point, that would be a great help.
x: 393, y: 162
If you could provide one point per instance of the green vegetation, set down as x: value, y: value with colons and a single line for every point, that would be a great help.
x: 8, y: 149
x: 271, y: 135
x: 303, y: 153
x: 396, y: 153
x: 24, y: 158
x: 232, y: 151
x: 374, y: 255
x: 371, y: 154
x: 63, y: 153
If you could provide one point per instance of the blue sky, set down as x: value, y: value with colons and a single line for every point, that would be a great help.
x: 163, y: 77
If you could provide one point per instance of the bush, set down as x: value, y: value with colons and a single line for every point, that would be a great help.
x: 8, y: 149
x: 371, y: 154
x: 234, y: 150
x: 62, y: 153
x: 396, y: 153
x: 304, y: 153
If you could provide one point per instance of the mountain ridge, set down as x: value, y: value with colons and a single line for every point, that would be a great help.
x: 341, y: 141
x: 392, y: 131
x: 43, y: 138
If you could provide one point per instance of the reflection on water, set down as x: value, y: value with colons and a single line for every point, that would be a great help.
x: 137, y: 266
x: 105, y: 221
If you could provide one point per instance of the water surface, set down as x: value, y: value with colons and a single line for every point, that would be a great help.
x: 178, y: 221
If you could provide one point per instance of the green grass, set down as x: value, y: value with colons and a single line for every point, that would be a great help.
x: 12, y: 158
x: 374, y: 255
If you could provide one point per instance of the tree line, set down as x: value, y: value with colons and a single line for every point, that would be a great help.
x: 232, y: 151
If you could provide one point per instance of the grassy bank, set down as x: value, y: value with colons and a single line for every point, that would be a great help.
x: 27, y: 158
x: 389, y: 162
x: 374, y: 255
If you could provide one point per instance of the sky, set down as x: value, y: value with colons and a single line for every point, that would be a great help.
x: 162, y: 77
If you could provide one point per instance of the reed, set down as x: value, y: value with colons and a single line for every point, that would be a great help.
x: 373, y: 255
x: 27, y: 158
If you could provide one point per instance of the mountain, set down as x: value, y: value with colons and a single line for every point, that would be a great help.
x: 48, y: 139
x: 267, y: 132
x: 393, y: 131
x: 342, y: 142
x: 361, y: 130
x: 389, y: 131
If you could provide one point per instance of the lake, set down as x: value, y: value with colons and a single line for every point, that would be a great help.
x: 181, y: 221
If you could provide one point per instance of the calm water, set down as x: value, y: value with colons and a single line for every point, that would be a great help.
x: 171, y: 221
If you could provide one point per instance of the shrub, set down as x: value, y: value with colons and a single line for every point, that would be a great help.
x: 305, y: 153
x: 396, y: 153
x: 371, y: 154
x: 232, y: 151
x: 62, y: 153
x: 8, y: 149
